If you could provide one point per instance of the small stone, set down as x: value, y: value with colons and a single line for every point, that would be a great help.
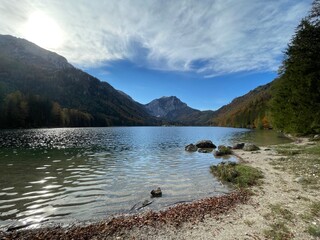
x: 156, y: 193
x: 299, y: 179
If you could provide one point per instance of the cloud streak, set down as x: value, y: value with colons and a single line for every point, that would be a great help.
x: 208, y: 37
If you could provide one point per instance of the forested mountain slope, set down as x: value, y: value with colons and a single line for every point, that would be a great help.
x: 39, y: 88
x: 248, y: 111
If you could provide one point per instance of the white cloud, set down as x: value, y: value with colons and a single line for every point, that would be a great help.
x: 209, y: 37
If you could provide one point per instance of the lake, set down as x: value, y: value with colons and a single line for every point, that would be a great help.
x: 86, y: 174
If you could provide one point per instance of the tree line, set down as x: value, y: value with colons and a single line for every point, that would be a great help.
x: 33, y: 111
x: 292, y: 103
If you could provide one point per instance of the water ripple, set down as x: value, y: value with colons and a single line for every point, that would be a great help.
x: 60, y: 175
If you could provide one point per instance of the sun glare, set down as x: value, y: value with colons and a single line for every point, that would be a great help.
x: 43, y: 31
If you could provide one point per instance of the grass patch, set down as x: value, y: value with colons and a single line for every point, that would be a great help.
x: 315, y: 150
x: 289, y: 152
x: 315, y: 209
x: 314, y: 230
x: 277, y: 209
x: 278, y: 231
x: 311, y: 216
x: 249, y: 222
x: 302, y: 161
x: 290, y: 149
x: 239, y: 175
x: 314, y: 212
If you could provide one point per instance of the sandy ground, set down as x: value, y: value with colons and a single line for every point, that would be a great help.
x: 251, y: 220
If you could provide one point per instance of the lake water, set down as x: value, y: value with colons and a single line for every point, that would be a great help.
x: 80, y: 174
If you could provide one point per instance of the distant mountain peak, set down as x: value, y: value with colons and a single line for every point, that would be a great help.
x: 173, y: 109
x: 163, y: 106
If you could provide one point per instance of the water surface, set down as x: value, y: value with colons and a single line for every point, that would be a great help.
x: 78, y: 174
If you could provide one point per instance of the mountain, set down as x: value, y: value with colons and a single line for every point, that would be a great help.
x: 173, y: 110
x: 251, y: 110
x: 39, y: 88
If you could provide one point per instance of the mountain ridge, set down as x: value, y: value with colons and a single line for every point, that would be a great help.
x: 31, y: 76
x: 250, y: 110
x: 41, y: 75
x: 172, y: 109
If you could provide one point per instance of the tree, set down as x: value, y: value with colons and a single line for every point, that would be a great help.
x: 15, y: 110
x: 296, y: 101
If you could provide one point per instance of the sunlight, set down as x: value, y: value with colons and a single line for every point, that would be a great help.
x: 43, y: 31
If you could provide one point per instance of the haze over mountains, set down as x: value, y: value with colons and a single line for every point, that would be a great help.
x: 40, y: 88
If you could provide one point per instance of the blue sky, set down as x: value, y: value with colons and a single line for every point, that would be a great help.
x: 204, y: 52
x: 198, y: 92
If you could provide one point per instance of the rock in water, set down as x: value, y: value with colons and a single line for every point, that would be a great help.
x: 201, y: 150
x: 250, y: 147
x: 156, y: 193
x: 191, y: 148
x: 205, y: 144
x: 222, y: 151
x: 238, y: 146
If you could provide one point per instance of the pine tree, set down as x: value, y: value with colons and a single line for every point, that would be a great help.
x: 296, y: 101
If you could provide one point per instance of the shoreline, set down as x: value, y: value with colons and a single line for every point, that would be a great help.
x: 174, y: 216
x: 232, y: 216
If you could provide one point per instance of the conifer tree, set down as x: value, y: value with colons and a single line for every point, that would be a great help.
x: 296, y: 101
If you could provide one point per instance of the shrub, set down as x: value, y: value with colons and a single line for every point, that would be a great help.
x: 240, y: 175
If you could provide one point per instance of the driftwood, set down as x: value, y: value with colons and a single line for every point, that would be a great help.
x: 144, y: 204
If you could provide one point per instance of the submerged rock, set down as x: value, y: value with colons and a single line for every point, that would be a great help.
x: 250, y: 147
x: 201, y: 150
x: 191, y: 148
x: 205, y: 144
x: 156, y: 193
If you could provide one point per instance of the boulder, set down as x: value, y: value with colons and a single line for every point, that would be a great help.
x: 191, y: 148
x: 250, y: 147
x: 156, y: 193
x: 218, y: 154
x: 238, y: 146
x: 222, y: 150
x: 205, y: 144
